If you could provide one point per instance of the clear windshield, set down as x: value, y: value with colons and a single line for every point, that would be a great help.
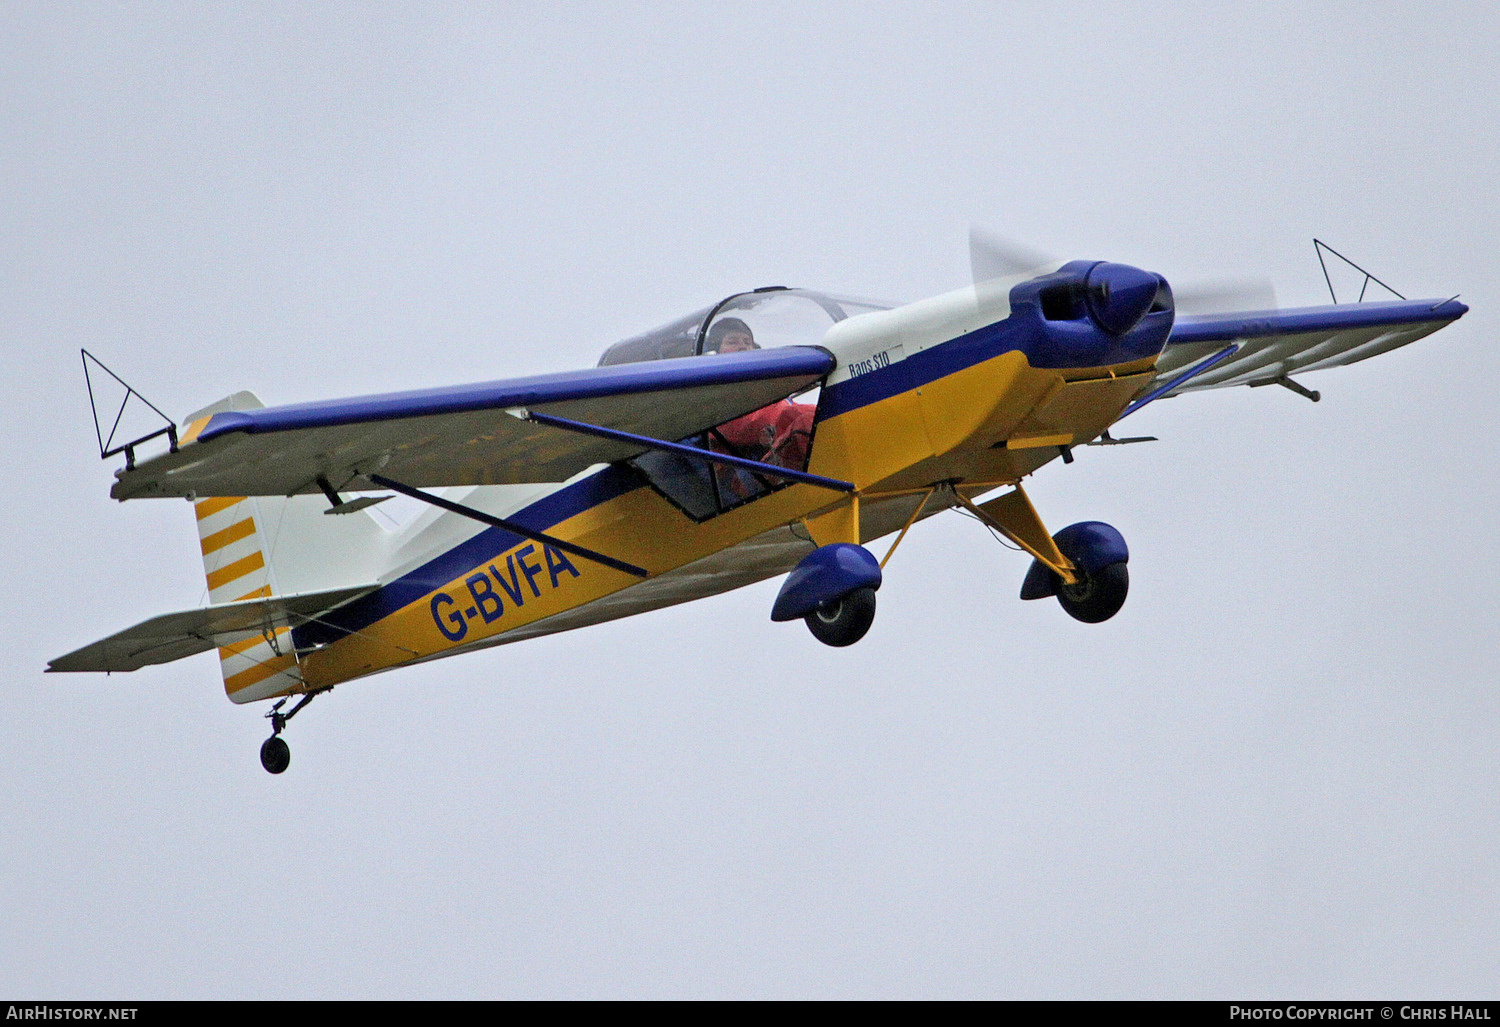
x: 778, y: 435
x: 749, y: 320
x: 676, y: 339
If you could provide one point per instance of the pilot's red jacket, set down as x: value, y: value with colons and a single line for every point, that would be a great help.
x: 778, y: 434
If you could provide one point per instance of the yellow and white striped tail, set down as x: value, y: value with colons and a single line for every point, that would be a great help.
x: 234, y: 561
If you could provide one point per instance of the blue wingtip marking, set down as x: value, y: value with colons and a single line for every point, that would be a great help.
x: 1254, y: 323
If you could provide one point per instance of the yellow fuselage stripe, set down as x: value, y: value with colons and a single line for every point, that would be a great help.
x: 190, y: 433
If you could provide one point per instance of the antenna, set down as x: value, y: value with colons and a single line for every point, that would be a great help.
x: 1319, y: 245
x: 107, y: 448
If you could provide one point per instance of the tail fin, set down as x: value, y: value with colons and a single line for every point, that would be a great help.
x: 258, y: 546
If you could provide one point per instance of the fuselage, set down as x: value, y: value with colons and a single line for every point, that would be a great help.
x: 968, y: 391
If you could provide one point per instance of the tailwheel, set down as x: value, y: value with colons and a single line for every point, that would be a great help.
x: 843, y: 621
x: 1095, y: 597
x: 275, y: 755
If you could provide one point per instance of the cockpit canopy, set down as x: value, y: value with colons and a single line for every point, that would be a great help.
x: 774, y: 316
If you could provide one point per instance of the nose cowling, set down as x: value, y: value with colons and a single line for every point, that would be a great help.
x: 1120, y: 295
x: 1091, y: 313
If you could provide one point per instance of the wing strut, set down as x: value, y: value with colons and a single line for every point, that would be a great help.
x: 755, y: 466
x: 1190, y: 373
x: 512, y: 526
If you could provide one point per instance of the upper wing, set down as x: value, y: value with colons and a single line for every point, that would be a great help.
x: 462, y: 435
x: 188, y: 632
x: 1274, y: 343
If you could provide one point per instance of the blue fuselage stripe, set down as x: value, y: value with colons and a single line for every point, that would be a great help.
x: 600, y: 487
x: 1046, y: 344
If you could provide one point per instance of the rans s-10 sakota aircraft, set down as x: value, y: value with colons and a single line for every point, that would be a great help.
x: 692, y: 460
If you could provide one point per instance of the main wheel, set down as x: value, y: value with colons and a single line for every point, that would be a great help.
x: 1097, y: 597
x: 275, y: 755
x: 843, y: 621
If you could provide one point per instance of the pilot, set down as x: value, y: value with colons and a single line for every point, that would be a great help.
x: 776, y: 434
x: 730, y: 335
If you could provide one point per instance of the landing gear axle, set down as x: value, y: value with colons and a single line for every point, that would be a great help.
x: 845, y: 620
x: 1096, y: 597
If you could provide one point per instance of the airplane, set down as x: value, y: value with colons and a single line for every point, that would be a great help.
x: 776, y: 432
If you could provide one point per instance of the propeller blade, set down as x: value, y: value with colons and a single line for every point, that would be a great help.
x: 992, y: 257
x: 1225, y: 295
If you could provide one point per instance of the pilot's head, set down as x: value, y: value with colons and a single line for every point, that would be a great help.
x: 730, y: 335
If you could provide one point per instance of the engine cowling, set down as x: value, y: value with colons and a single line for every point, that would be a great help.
x: 1120, y: 295
x: 1094, y: 313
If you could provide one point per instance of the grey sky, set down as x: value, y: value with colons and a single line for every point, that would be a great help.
x: 1274, y: 773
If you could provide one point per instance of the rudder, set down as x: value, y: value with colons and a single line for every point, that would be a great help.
x: 234, y: 562
x: 259, y: 546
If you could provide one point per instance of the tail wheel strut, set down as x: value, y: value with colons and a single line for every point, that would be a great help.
x: 275, y: 754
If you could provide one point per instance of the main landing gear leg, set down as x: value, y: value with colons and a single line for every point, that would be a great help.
x: 1083, y: 565
x: 833, y: 588
x: 1013, y: 516
x: 275, y: 754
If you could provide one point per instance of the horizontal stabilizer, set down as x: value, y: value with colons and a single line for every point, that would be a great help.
x: 172, y: 636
